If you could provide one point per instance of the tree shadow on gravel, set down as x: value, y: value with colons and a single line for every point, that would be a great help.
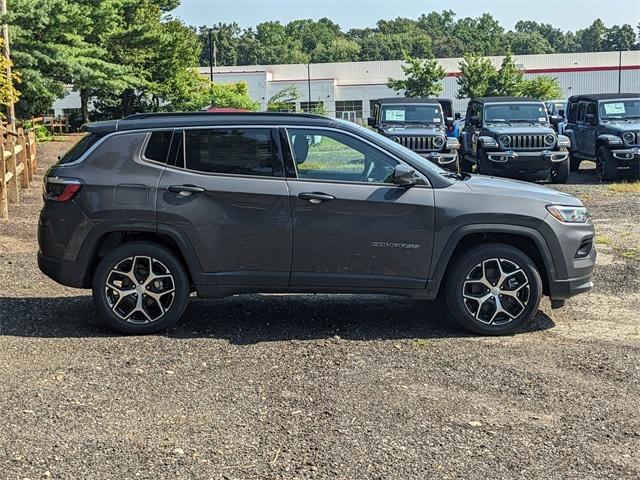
x: 249, y: 319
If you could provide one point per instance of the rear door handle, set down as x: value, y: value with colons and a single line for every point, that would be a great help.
x: 185, y: 190
x: 316, y: 197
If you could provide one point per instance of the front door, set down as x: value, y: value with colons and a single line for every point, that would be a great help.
x: 226, y: 193
x: 352, y: 226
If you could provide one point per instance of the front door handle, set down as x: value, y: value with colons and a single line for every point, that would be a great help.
x: 316, y: 197
x: 185, y: 190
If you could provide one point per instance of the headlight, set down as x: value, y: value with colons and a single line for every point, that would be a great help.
x: 504, y: 140
x: 396, y: 139
x: 628, y: 137
x: 549, y: 139
x: 567, y: 214
x: 438, y: 142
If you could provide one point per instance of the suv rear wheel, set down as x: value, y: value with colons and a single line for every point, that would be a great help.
x: 140, y: 288
x: 493, y: 289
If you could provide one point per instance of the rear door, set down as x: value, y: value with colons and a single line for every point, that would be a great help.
x: 589, y: 136
x: 352, y: 227
x: 225, y: 192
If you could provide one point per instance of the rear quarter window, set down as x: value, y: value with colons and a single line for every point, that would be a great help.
x: 79, y: 148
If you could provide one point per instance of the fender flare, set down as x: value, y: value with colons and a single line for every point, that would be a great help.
x: 445, y: 257
x: 88, y: 251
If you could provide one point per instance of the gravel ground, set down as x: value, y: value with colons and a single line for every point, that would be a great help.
x: 316, y: 386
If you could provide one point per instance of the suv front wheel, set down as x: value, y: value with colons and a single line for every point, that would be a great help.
x: 493, y: 289
x: 140, y: 288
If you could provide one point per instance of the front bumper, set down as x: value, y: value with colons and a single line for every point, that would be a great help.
x: 627, y: 154
x: 525, y: 162
x: 439, y: 158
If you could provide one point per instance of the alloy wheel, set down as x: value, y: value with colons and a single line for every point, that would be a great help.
x: 140, y: 289
x: 496, y: 291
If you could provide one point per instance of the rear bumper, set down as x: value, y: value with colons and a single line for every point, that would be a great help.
x: 68, y: 273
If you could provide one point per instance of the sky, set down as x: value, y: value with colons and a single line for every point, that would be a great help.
x: 566, y: 14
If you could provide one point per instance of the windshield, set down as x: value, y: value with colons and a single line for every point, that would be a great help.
x: 396, y: 148
x: 515, y: 112
x: 620, y: 110
x: 419, y: 114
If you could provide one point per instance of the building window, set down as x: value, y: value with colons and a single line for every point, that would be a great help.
x: 349, y: 110
x: 312, y: 107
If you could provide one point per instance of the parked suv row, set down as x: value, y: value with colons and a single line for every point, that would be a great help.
x: 148, y: 209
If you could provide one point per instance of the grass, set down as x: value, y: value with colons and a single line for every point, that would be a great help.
x: 625, y: 187
x: 603, y: 240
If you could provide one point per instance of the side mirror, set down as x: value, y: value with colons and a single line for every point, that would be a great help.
x: 404, y: 176
x: 590, y: 118
x: 449, y: 121
x: 371, y: 122
x: 561, y: 113
x: 555, y: 119
x: 457, y: 116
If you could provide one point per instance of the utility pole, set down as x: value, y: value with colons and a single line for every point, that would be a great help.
x: 309, y: 84
x: 11, y: 113
x: 619, y: 71
x: 211, y: 62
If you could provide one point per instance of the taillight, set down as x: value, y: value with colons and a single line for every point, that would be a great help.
x: 57, y: 189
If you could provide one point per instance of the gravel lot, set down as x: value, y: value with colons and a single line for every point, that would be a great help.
x: 315, y: 387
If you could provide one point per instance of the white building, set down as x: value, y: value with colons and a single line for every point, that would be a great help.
x: 346, y: 90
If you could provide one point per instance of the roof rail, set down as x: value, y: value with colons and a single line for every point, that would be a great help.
x: 146, y: 116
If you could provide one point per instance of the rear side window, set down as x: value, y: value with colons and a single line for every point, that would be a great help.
x: 236, y: 151
x: 158, y: 146
x: 80, y: 148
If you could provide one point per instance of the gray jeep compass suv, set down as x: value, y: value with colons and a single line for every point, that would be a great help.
x: 148, y: 209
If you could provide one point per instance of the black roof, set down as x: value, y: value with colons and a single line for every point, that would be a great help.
x: 504, y: 99
x: 200, y: 119
x: 603, y: 96
x: 396, y: 100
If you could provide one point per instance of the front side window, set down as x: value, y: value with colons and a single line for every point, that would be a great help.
x: 515, y: 112
x: 233, y: 151
x: 329, y: 155
x: 582, y: 108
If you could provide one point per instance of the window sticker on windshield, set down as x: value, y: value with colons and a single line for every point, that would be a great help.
x: 394, y: 115
x: 614, y: 108
x: 541, y: 119
x: 436, y: 120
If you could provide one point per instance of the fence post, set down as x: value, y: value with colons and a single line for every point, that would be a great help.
x: 12, y: 184
x: 4, y: 203
x: 31, y: 151
x: 27, y: 177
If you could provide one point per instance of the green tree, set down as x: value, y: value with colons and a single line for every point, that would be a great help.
x: 8, y: 92
x: 476, y: 75
x: 620, y: 38
x: 541, y: 87
x: 529, y: 43
x: 234, y: 95
x: 592, y: 38
x: 339, y: 50
x: 508, y: 80
x: 281, y: 101
x: 424, y: 78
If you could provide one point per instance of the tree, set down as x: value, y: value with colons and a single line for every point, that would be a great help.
x: 339, y: 50
x: 281, y: 101
x: 424, y: 78
x: 234, y: 95
x: 541, y: 87
x: 591, y: 39
x: 620, y: 38
x: 476, y: 74
x: 529, y: 43
x: 508, y: 81
x: 8, y: 93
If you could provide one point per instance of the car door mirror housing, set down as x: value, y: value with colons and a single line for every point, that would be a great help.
x: 449, y: 121
x: 457, y: 116
x: 405, y: 176
x: 371, y: 121
x: 561, y: 113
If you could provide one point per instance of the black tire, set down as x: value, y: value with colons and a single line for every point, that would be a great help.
x: 574, y: 163
x: 465, y: 165
x: 606, y: 165
x: 634, y: 169
x: 462, y: 279
x: 485, y: 167
x: 559, y: 172
x: 154, y: 315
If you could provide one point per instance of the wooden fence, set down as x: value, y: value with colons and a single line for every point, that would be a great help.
x: 18, y: 164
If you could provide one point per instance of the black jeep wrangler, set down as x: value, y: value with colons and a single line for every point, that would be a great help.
x: 512, y: 137
x: 418, y: 124
x: 605, y: 128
